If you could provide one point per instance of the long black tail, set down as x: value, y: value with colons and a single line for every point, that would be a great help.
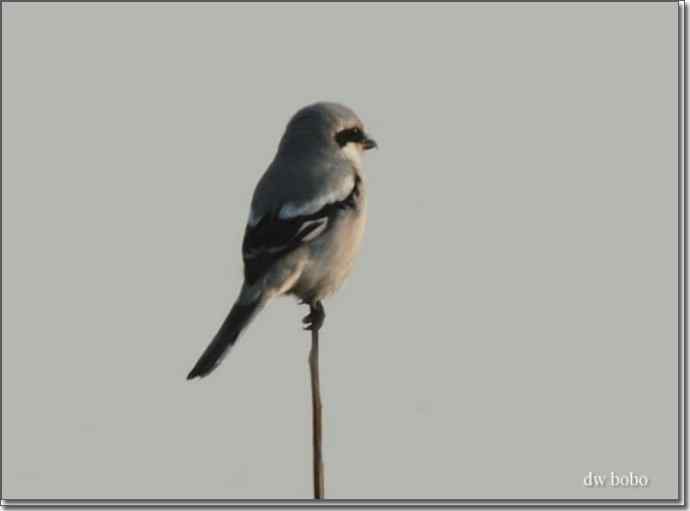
x: 239, y: 317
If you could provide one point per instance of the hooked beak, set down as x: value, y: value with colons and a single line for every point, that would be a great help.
x: 369, y: 143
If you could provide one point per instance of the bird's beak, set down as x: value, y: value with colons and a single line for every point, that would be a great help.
x: 369, y: 143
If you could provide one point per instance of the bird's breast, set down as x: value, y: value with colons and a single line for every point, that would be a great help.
x: 331, y: 256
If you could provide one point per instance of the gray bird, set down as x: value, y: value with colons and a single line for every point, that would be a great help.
x: 306, y: 221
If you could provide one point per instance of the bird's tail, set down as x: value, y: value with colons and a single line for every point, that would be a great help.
x: 240, y: 316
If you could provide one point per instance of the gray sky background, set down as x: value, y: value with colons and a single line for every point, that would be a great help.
x: 511, y: 322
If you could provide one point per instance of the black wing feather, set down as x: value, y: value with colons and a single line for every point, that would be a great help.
x: 272, y: 237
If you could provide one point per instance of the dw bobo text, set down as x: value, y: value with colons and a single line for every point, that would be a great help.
x: 613, y: 480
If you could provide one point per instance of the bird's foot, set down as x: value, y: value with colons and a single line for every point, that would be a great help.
x: 314, y: 320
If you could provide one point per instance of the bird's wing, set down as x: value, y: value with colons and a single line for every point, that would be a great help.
x: 278, y: 232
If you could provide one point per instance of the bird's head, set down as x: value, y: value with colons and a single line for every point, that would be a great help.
x: 329, y: 127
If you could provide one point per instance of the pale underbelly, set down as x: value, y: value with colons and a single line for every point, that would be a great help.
x: 330, y: 259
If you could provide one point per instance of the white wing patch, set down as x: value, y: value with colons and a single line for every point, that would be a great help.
x: 322, y: 224
x: 293, y: 209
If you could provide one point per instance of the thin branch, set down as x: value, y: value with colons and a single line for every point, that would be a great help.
x: 316, y: 414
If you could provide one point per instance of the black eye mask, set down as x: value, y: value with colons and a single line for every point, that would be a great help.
x: 349, y: 135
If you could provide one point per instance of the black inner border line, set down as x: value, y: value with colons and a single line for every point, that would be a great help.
x: 682, y: 286
x: 682, y: 171
x: 678, y: 502
x: 360, y: 1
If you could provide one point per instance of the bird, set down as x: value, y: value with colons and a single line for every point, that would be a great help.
x: 305, y: 225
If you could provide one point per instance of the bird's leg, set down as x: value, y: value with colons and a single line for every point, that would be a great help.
x: 314, y: 320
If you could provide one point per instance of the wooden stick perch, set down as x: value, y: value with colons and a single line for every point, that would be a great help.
x: 316, y: 414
